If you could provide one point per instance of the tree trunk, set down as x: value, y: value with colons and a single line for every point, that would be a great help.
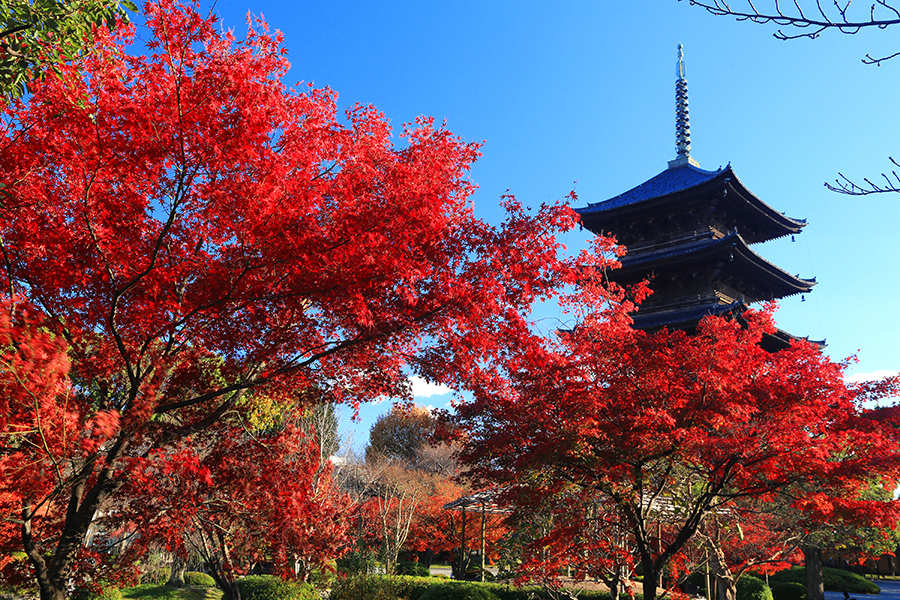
x: 176, y: 577
x: 815, y: 586
x: 651, y: 578
x: 726, y: 586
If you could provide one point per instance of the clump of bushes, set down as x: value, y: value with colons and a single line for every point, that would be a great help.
x: 414, y: 568
x: 410, y: 587
x: 835, y: 580
x: 356, y: 562
x: 198, y: 578
x: 510, y: 592
x: 323, y: 577
x: 97, y: 591
x: 365, y: 587
x: 156, y: 576
x: 752, y: 588
x: 458, y: 591
x: 269, y: 587
x: 789, y: 590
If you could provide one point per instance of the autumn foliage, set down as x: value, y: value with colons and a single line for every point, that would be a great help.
x: 200, y: 238
x: 627, y: 441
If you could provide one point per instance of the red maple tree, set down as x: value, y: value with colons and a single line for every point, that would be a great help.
x: 204, y: 498
x: 666, y: 428
x: 198, y: 233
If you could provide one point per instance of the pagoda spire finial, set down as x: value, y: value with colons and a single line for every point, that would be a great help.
x: 682, y: 117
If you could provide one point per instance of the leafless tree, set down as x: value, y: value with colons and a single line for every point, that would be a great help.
x: 795, y: 22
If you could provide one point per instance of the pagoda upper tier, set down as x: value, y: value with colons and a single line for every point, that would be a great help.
x: 685, y: 204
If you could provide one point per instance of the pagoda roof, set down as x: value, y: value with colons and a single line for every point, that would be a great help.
x: 675, y: 185
x: 781, y: 282
x: 670, y: 181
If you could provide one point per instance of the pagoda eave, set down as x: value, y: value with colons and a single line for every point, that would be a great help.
x: 730, y: 254
x: 673, y: 188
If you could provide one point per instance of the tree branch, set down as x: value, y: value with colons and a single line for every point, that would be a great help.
x: 805, y: 26
x: 844, y: 185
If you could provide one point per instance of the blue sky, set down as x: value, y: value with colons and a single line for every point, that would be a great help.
x: 564, y: 92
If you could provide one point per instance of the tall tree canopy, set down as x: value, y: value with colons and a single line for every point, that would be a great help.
x: 203, y: 238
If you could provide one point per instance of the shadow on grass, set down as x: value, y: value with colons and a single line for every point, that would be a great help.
x: 165, y: 592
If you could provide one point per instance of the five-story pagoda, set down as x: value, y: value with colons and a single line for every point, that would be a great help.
x: 689, y: 231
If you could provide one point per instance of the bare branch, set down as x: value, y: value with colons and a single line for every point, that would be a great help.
x: 806, y: 26
x: 844, y: 185
x: 871, y: 60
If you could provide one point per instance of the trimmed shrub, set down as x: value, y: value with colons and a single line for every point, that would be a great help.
x: 458, y: 591
x: 839, y: 580
x: 354, y: 563
x: 198, y: 578
x: 789, y: 590
x: 835, y: 580
x: 157, y: 576
x: 410, y: 587
x: 794, y: 574
x: 365, y: 587
x: 413, y: 568
x: 269, y: 587
x: 752, y: 588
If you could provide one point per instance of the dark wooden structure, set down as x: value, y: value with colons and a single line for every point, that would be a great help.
x: 689, y: 231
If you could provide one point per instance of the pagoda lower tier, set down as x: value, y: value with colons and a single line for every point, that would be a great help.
x: 718, y: 271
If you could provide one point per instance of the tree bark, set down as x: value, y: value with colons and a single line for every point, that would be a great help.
x: 651, y: 577
x: 176, y: 577
x: 815, y: 586
x: 726, y: 586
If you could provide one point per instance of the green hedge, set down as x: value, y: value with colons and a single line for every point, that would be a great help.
x: 365, y: 587
x: 99, y: 591
x: 379, y: 587
x: 198, y: 578
x: 457, y: 590
x: 836, y: 580
x: 510, y: 592
x: 789, y: 590
x: 269, y: 587
x: 752, y: 588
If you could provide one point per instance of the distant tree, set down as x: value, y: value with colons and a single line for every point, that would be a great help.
x: 392, y: 503
x: 321, y: 422
x: 402, y: 434
x: 811, y: 22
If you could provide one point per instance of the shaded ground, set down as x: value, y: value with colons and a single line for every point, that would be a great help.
x: 164, y: 592
x: 890, y: 590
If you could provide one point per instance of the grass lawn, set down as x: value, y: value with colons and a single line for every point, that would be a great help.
x: 165, y: 592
